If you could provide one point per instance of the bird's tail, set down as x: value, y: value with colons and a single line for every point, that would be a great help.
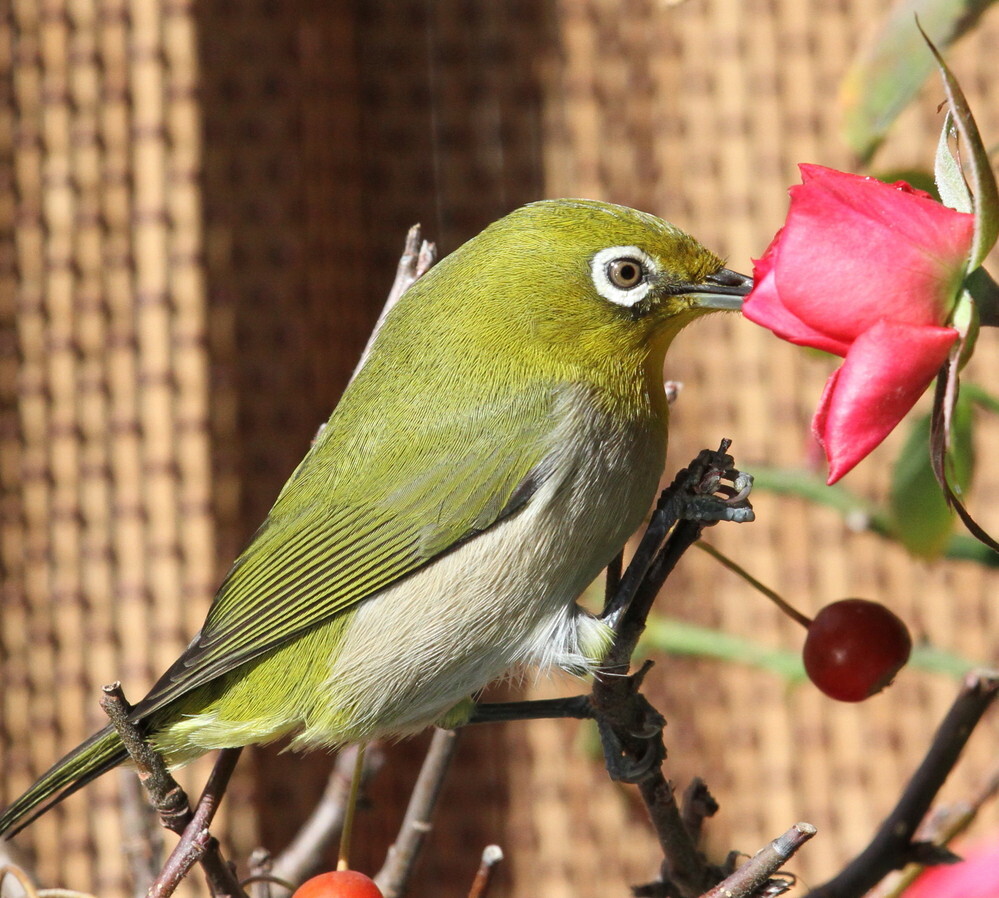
x: 86, y: 762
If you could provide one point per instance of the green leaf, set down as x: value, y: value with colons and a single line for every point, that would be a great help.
x: 921, y: 517
x: 886, y: 74
x: 676, y: 637
x: 863, y: 515
x: 810, y: 486
x: 666, y: 634
x: 962, y: 458
x: 979, y: 168
x: 985, y: 292
x: 967, y: 548
x: 935, y: 660
x: 981, y: 397
x: 951, y: 186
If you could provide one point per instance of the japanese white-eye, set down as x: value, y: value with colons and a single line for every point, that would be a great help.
x: 501, y: 442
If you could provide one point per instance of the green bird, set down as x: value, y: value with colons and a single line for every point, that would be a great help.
x: 503, y: 439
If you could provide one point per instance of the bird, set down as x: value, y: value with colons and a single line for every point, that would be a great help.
x: 503, y: 438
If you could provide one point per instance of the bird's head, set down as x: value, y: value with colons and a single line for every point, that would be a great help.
x: 573, y: 283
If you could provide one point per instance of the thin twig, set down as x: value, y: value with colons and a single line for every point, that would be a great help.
x: 417, y: 257
x: 491, y: 856
x: 259, y: 882
x: 318, y: 833
x: 165, y: 794
x: 257, y: 879
x: 740, y: 571
x: 197, y: 844
x: 188, y: 851
x: 398, y: 867
x: 172, y: 804
x: 683, y: 865
x: 941, y: 828
x: 755, y: 873
x: 892, y: 846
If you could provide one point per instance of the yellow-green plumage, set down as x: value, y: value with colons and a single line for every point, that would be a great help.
x: 501, y: 442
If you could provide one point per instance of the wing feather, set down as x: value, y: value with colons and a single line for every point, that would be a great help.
x: 328, y: 543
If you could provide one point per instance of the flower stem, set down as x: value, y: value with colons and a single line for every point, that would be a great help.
x: 788, y: 609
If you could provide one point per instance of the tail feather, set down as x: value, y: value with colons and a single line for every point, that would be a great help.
x: 85, y: 763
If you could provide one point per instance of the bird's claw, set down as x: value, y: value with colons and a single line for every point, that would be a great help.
x: 631, y: 757
x: 715, y: 490
x: 624, y: 766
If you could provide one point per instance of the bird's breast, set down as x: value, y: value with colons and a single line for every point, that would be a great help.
x: 503, y: 598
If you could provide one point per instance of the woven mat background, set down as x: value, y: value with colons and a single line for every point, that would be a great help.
x: 202, y: 207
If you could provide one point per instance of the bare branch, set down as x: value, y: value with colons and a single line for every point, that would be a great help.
x: 394, y: 875
x: 753, y: 876
x: 940, y: 828
x: 417, y: 257
x: 197, y: 844
x: 630, y: 728
x: 892, y: 846
x: 165, y: 793
x: 171, y: 803
x: 491, y: 856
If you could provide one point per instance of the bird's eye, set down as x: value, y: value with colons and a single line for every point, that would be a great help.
x: 625, y: 273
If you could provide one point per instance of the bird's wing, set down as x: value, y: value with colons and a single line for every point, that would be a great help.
x: 330, y: 540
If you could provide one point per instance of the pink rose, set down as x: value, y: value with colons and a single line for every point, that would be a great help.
x: 868, y: 271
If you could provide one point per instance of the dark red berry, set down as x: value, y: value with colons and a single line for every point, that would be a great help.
x: 854, y: 648
x: 338, y: 884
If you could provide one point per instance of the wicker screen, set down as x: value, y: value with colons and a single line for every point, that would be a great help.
x: 201, y: 209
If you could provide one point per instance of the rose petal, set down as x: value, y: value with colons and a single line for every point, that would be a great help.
x: 855, y: 250
x: 763, y: 306
x: 885, y: 372
x: 977, y: 876
x: 810, y: 170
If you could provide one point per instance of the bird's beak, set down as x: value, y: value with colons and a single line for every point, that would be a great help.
x: 722, y: 290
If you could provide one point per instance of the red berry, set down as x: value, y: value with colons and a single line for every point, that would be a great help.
x: 854, y: 648
x: 338, y: 884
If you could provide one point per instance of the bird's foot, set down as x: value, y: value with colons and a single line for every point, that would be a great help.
x: 631, y: 729
x: 711, y: 489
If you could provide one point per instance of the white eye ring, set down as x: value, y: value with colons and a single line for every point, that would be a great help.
x: 602, y: 266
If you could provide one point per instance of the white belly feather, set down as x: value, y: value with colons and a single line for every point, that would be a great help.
x: 506, y: 598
